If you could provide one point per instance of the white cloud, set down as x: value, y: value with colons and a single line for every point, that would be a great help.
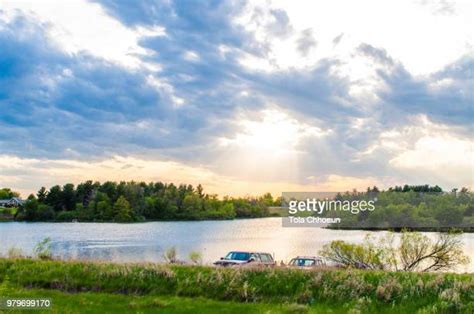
x: 413, y: 33
x: 191, y: 56
x: 444, y: 158
x: 79, y: 26
x: 427, y: 152
x: 166, y: 90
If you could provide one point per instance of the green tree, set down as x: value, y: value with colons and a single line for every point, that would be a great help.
x: 45, y: 213
x: 7, y: 193
x: 192, y: 203
x: 122, y: 210
x: 54, y: 198
x: 30, y: 209
x: 84, y: 192
x: 69, y: 197
x: 366, y: 256
x: 450, y: 217
x: 41, y: 195
x: 200, y: 191
x: 267, y: 199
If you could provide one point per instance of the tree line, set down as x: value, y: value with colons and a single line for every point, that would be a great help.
x: 420, y: 207
x: 137, y: 201
x: 409, y: 206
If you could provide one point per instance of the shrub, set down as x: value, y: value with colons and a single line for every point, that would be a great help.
x: 14, y: 252
x: 170, y: 255
x: 43, y: 249
x: 195, y: 257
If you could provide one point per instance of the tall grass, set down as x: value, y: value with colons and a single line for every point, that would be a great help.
x: 431, y: 291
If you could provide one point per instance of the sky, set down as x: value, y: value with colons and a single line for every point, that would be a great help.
x: 244, y: 97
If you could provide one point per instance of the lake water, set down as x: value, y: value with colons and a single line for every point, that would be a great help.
x: 141, y: 242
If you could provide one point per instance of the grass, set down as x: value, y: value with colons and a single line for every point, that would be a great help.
x: 262, y: 290
x: 97, y: 302
x: 94, y: 302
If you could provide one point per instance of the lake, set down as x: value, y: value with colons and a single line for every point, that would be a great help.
x: 140, y: 242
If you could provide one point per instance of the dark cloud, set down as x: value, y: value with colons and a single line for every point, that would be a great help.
x: 445, y: 96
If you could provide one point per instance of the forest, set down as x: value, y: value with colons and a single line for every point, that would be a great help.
x: 135, y: 201
x: 420, y: 207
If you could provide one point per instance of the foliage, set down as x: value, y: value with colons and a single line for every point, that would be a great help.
x: 122, y: 210
x: 6, y: 193
x: 195, y: 258
x: 415, y: 207
x: 365, y: 256
x: 414, y: 252
x: 171, y: 255
x: 43, y: 249
x: 132, y: 201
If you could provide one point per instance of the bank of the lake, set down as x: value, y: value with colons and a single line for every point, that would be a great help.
x: 367, y: 291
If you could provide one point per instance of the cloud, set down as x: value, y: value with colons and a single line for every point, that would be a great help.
x: 445, y: 96
x: 423, y: 149
x: 81, y: 26
x: 280, y: 84
x: 425, y: 42
x: 306, y: 42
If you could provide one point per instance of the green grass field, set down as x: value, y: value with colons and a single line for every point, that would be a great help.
x: 107, y: 288
x: 92, y: 302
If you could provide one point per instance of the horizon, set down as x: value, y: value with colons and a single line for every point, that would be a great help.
x: 241, y: 97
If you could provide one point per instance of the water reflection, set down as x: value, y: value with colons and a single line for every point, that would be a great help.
x: 148, y: 241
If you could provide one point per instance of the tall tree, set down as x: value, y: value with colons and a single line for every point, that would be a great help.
x: 54, y: 198
x: 84, y: 193
x: 69, y: 197
x: 41, y: 195
x: 122, y: 210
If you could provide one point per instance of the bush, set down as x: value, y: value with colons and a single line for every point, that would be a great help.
x: 196, y: 258
x: 171, y: 255
x: 43, y: 249
x: 67, y: 216
x: 14, y: 252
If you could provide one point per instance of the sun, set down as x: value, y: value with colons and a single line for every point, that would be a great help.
x: 267, y: 146
x: 275, y: 132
